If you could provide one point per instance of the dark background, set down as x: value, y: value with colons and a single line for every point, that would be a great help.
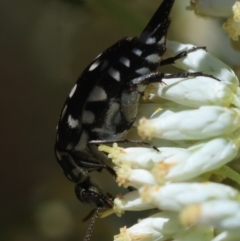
x: 44, y: 46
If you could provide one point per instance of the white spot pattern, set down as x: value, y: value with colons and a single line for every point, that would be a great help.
x: 125, y: 61
x: 76, y: 171
x: 153, y: 58
x: 114, y: 74
x: 73, y: 123
x: 162, y: 40
x: 72, y: 91
x: 136, y: 51
x: 94, y: 65
x: 108, y: 128
x: 59, y: 156
x: 143, y: 71
x: 151, y: 40
x: 64, y: 111
x: 113, y: 109
x: 97, y: 94
x: 98, y: 55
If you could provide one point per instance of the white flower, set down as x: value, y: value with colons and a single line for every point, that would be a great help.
x: 160, y: 226
x: 201, y: 60
x: 216, y: 8
x: 197, y: 132
x: 138, y: 165
x: 222, y: 214
x: 221, y: 8
x: 211, y: 121
x: 176, y: 196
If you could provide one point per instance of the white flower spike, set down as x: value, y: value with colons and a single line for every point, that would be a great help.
x: 182, y: 125
x: 216, y: 8
x: 221, y: 8
x: 195, y: 124
x: 139, y: 166
x: 222, y: 214
x: 160, y: 226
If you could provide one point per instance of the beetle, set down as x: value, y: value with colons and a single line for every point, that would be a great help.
x: 102, y: 105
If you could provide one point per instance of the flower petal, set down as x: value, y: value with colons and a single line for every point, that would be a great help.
x: 158, y: 227
x: 205, y: 122
x: 175, y: 196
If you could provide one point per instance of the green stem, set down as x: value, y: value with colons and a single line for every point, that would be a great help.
x: 229, y: 172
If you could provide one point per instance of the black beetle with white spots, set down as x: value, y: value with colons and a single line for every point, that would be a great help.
x: 102, y: 105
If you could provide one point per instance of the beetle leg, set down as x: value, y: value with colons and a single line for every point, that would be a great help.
x: 157, y: 77
x: 183, y: 54
x: 138, y: 142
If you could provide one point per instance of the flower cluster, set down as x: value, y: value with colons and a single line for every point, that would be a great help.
x: 195, y: 124
x: 221, y: 8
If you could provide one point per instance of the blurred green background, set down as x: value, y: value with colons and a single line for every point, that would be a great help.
x: 44, y: 46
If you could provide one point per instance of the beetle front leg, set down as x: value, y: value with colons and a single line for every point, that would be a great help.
x: 91, y: 165
x: 124, y: 141
x: 157, y: 77
x: 181, y: 55
x: 96, y: 166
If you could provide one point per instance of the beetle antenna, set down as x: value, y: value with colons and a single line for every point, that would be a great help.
x: 89, y: 215
x: 90, y: 226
